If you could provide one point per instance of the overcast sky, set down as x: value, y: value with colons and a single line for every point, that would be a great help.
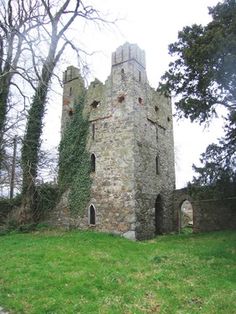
x: 153, y: 25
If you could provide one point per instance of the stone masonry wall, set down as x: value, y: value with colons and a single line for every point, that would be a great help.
x: 130, y: 128
x: 208, y: 214
x: 213, y: 215
x: 73, y: 88
x: 154, y: 149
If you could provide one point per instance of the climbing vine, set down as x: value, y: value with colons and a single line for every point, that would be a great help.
x: 74, y: 161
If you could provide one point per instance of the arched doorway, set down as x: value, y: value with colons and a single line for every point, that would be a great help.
x: 92, y: 215
x: 158, y: 215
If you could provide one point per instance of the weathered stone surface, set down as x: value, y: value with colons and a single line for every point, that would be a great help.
x: 131, y: 136
x: 130, y: 235
x: 207, y: 214
x: 131, y: 133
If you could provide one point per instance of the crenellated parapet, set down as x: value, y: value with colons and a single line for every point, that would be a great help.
x: 129, y: 52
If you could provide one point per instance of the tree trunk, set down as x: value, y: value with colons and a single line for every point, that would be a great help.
x: 4, y: 93
x: 31, y: 145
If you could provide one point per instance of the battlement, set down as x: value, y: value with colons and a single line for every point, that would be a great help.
x: 129, y: 52
x: 70, y: 73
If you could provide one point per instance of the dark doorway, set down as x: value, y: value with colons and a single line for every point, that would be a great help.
x: 92, y: 215
x: 158, y: 215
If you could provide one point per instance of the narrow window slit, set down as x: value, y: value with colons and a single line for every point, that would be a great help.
x: 93, y: 163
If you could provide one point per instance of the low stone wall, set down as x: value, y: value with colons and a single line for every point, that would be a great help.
x: 208, y: 214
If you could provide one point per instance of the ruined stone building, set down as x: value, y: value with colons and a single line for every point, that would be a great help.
x: 131, y: 148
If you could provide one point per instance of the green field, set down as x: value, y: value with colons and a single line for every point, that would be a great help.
x: 87, y: 272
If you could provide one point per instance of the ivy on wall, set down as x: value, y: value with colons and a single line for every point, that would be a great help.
x: 74, y: 161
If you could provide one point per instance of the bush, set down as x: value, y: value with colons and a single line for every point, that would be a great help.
x: 47, y: 196
x: 6, y: 206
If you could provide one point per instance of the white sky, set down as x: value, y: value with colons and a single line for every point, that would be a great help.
x: 153, y: 25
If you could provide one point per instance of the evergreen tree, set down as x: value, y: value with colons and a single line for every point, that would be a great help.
x: 203, y: 76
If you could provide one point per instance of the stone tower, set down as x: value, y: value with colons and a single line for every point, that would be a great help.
x: 131, y: 148
x: 73, y: 87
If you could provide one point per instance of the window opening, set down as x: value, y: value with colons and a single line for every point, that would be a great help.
x: 93, y: 163
x: 122, y: 74
x: 157, y: 165
x: 158, y: 215
x: 93, y: 131
x: 92, y: 215
x: 70, y: 92
x: 121, y: 98
x: 139, y: 76
x: 157, y: 135
x: 140, y: 100
x: 70, y: 112
x: 95, y: 103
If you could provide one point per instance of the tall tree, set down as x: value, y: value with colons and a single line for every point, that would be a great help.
x: 203, y: 76
x: 61, y: 16
x: 18, y: 20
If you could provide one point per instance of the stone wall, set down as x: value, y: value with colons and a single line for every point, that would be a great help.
x: 208, y: 214
x: 73, y: 88
x: 154, y: 161
x: 212, y: 215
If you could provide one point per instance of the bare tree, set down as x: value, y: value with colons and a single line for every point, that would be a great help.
x: 11, y: 173
x: 61, y: 16
x: 18, y: 21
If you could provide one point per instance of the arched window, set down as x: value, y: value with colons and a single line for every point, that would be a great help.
x: 92, y: 215
x: 93, y: 163
x: 140, y: 100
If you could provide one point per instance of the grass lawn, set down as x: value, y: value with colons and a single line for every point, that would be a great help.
x: 88, y: 272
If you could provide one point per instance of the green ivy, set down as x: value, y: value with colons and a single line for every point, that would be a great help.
x: 46, y: 199
x: 74, y: 161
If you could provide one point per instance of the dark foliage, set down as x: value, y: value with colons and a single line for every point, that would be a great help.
x: 46, y: 199
x: 203, y: 76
